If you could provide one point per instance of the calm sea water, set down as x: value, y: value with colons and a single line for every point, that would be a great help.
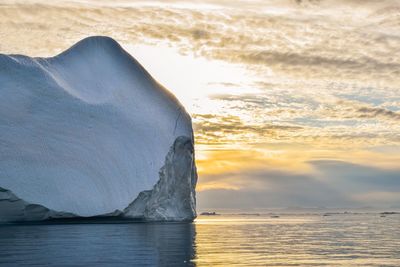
x: 290, y: 240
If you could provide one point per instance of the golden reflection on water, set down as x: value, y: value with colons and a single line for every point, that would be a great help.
x: 297, y: 240
x: 234, y: 220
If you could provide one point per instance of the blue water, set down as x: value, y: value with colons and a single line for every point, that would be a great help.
x: 289, y: 240
x: 136, y: 244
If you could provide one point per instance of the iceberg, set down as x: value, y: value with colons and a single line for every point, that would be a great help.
x: 90, y: 133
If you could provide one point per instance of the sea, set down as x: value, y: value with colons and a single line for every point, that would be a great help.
x: 307, y: 239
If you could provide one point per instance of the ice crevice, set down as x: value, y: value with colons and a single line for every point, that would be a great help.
x: 173, y: 197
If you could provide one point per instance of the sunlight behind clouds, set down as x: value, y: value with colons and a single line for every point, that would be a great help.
x: 192, y: 79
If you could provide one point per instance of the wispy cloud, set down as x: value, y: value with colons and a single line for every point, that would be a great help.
x: 335, y: 184
x: 231, y: 129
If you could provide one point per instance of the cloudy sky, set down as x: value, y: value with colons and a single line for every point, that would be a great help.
x: 294, y: 103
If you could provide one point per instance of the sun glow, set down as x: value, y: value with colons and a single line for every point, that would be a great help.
x: 191, y: 78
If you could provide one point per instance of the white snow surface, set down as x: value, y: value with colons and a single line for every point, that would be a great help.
x: 85, y: 131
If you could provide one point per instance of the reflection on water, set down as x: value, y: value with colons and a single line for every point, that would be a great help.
x: 301, y: 240
x: 136, y: 244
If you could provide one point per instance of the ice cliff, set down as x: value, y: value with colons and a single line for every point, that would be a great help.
x: 90, y: 133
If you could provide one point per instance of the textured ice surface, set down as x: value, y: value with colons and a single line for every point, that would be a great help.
x: 88, y: 130
x: 14, y: 209
x: 173, y: 197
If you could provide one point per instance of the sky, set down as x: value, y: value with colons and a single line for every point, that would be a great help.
x: 294, y: 103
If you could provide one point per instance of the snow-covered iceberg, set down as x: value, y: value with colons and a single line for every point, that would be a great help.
x: 90, y: 133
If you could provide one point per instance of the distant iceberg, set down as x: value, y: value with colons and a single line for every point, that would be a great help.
x: 90, y: 133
